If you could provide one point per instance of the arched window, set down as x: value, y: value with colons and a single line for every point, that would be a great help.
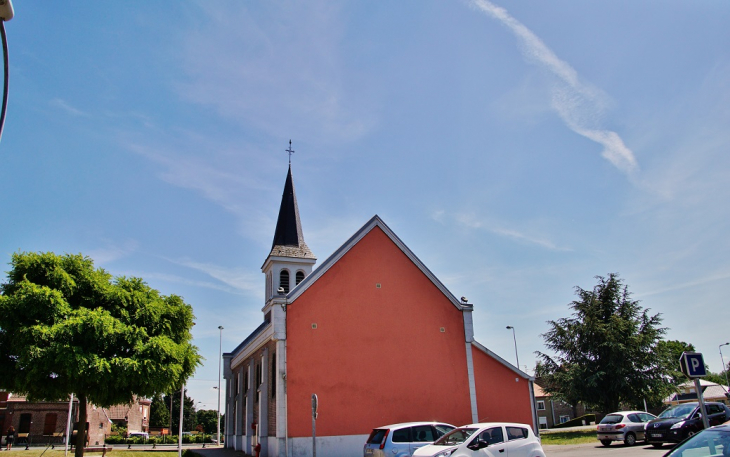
x: 284, y: 280
x: 300, y: 277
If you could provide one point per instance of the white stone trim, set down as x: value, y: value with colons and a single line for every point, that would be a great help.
x: 253, y: 346
x: 472, y: 384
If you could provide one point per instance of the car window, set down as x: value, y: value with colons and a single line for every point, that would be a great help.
x: 456, y: 436
x: 422, y: 434
x: 516, y: 433
x: 707, y: 443
x: 492, y: 435
x: 646, y: 417
x: 680, y: 411
x: 402, y: 435
x: 376, y: 437
x: 442, y: 430
x: 714, y: 409
x: 612, y: 419
x: 634, y: 418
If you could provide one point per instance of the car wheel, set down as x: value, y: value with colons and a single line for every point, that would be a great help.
x: 606, y: 442
x: 657, y: 445
x: 630, y: 439
x: 690, y: 433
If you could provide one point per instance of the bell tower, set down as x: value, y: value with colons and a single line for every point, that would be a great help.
x: 290, y: 260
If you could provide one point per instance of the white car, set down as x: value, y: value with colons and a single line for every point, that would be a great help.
x: 491, y: 439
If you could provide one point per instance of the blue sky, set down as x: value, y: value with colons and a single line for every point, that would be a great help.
x: 518, y: 152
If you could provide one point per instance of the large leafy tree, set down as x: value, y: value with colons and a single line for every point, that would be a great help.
x: 68, y: 327
x: 606, y: 353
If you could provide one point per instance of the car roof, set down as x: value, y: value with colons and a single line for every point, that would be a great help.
x: 628, y: 412
x: 411, y: 424
x: 494, y: 424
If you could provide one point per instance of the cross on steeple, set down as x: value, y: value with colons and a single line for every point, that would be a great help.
x: 290, y: 151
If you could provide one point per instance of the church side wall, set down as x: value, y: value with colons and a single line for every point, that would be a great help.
x: 378, y: 343
x: 502, y: 395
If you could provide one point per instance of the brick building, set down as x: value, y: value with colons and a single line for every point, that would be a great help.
x: 46, y: 422
x: 554, y: 412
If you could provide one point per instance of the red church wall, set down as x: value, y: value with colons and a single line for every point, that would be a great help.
x: 499, y: 397
x: 377, y: 355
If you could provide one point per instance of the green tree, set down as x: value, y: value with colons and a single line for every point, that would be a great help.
x: 189, y: 417
x: 670, y: 353
x: 606, y: 353
x: 159, y: 413
x: 67, y: 327
x: 208, y: 418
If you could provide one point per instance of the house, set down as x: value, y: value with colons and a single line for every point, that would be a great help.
x: 370, y: 337
x: 687, y: 393
x: 45, y: 422
x: 552, y: 412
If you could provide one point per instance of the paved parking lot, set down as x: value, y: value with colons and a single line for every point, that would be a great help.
x: 597, y: 450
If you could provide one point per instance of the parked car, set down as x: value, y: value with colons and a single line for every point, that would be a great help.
x: 401, y: 440
x: 492, y: 439
x: 713, y: 442
x: 626, y: 426
x: 681, y: 421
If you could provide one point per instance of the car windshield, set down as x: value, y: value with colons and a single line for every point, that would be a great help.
x: 708, y: 443
x: 679, y: 411
x: 456, y: 436
x: 612, y: 419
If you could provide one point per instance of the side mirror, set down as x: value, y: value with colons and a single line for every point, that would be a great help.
x: 478, y: 444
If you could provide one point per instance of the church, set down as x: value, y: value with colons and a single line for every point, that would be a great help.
x: 370, y: 337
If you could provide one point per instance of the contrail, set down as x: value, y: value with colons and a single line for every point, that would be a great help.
x: 579, y: 105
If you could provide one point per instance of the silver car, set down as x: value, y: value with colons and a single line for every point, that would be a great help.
x: 402, y: 440
x: 626, y: 426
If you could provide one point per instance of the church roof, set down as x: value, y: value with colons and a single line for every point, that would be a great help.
x: 375, y: 221
x: 288, y: 236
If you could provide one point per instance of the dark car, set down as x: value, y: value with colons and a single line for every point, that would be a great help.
x: 680, y: 421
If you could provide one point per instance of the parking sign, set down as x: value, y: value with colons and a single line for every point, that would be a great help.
x: 693, y: 365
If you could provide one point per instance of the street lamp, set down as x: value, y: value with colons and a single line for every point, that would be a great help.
x: 724, y: 368
x: 220, y: 357
x: 509, y: 327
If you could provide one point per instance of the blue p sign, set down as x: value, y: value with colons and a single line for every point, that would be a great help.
x: 692, y: 364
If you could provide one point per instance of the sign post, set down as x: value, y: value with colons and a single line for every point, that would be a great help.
x: 315, y: 407
x: 693, y: 366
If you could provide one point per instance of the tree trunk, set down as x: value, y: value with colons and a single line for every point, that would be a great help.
x: 81, y: 433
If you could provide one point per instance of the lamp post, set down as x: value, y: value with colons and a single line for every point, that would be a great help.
x: 724, y: 368
x: 509, y: 327
x: 220, y: 356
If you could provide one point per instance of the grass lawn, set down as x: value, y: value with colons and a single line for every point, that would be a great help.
x: 569, y: 437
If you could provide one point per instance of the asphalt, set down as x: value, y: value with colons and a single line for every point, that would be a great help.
x: 220, y: 452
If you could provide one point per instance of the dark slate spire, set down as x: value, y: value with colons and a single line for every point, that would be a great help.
x: 288, y: 237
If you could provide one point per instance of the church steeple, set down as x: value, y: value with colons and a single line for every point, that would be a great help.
x: 288, y: 236
x: 290, y: 259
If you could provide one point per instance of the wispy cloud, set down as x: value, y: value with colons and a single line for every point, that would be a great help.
x: 112, y: 252
x: 238, y: 278
x: 579, y: 105
x: 175, y: 279
x: 60, y: 103
x: 721, y: 276
x: 471, y: 222
x: 248, y: 64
